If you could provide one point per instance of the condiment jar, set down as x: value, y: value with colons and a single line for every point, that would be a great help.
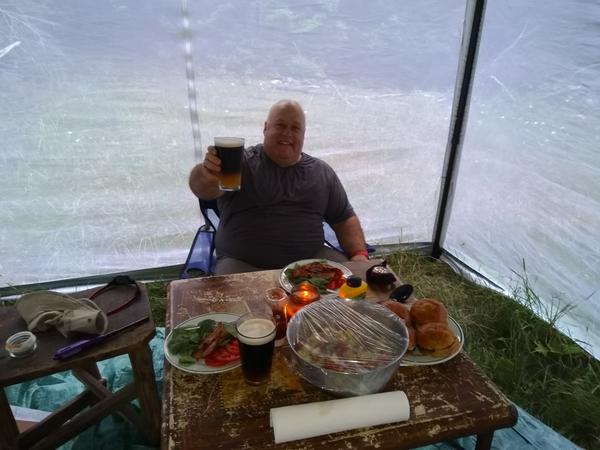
x: 277, y: 298
x: 354, y: 287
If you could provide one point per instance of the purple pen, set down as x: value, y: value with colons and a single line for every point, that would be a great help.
x: 78, y: 346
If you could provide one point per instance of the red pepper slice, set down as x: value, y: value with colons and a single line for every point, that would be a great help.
x: 221, y: 356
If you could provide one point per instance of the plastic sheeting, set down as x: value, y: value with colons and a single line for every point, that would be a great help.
x: 97, y: 134
x: 527, y: 198
x: 95, y: 139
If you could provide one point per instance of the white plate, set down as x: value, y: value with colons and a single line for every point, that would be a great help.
x: 416, y: 358
x: 200, y: 367
x: 287, y: 284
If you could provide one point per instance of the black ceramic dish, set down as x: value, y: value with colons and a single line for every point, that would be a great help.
x: 402, y: 293
x: 380, y: 274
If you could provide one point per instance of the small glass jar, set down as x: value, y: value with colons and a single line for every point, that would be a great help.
x: 302, y: 294
x: 276, y: 299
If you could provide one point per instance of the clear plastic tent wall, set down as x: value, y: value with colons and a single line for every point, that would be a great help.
x: 95, y: 139
x: 97, y: 142
x: 97, y: 136
x: 527, y: 200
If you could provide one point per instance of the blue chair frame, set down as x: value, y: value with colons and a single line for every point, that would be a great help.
x: 201, y: 257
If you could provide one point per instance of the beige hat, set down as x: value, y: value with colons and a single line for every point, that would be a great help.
x: 42, y: 310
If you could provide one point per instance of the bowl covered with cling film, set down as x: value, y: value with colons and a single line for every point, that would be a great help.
x: 347, y: 347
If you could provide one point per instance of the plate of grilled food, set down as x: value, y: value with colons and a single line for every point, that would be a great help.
x: 326, y: 275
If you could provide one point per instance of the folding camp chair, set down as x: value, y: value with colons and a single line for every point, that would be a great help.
x: 201, y: 258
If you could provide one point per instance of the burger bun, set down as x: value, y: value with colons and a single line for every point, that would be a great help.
x: 399, y: 309
x: 428, y: 310
x: 436, y: 339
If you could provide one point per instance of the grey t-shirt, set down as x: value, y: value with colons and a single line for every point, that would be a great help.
x: 277, y: 216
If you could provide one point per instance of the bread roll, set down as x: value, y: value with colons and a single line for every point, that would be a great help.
x: 402, y: 311
x: 436, y: 339
x: 427, y: 310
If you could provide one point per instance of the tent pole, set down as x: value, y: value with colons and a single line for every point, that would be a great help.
x: 474, y: 13
x: 191, y: 80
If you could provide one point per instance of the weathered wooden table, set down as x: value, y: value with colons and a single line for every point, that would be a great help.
x: 220, y: 411
x: 96, y: 401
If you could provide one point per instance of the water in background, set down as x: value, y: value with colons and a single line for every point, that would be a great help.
x: 96, y: 140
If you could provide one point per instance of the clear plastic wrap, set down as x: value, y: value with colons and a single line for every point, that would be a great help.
x: 348, y: 347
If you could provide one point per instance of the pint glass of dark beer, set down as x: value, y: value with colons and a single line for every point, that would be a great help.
x: 256, y: 335
x: 230, y: 151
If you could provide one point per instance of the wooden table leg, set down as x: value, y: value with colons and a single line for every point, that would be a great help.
x: 8, y: 425
x: 484, y: 441
x: 56, y: 420
x: 86, y: 419
x: 92, y: 367
x: 97, y: 386
x: 145, y: 382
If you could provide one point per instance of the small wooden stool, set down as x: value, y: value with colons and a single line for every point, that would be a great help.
x: 96, y: 401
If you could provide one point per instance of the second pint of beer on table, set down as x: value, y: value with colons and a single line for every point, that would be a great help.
x: 256, y: 335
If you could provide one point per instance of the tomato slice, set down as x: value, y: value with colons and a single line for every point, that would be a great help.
x: 212, y: 361
x: 233, y: 347
x: 335, y: 283
x: 221, y: 356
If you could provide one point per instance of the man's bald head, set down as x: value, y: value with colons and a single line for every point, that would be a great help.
x: 286, y: 104
x: 284, y: 132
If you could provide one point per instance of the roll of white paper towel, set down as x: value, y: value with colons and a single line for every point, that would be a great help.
x: 315, y: 419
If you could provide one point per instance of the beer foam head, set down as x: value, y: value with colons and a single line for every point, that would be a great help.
x: 256, y: 331
x: 229, y: 142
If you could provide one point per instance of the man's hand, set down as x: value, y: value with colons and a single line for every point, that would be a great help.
x: 359, y: 257
x: 204, y: 178
x: 212, y: 163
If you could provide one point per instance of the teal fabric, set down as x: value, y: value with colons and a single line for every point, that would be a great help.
x: 116, y: 433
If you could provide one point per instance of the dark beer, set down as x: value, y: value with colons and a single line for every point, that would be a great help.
x: 256, y: 335
x: 230, y: 151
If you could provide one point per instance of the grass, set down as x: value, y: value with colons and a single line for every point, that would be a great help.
x: 157, y: 293
x: 537, y: 367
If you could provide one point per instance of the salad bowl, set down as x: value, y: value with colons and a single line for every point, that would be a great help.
x: 347, y: 347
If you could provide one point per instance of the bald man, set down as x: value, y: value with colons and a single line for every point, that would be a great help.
x: 277, y: 216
